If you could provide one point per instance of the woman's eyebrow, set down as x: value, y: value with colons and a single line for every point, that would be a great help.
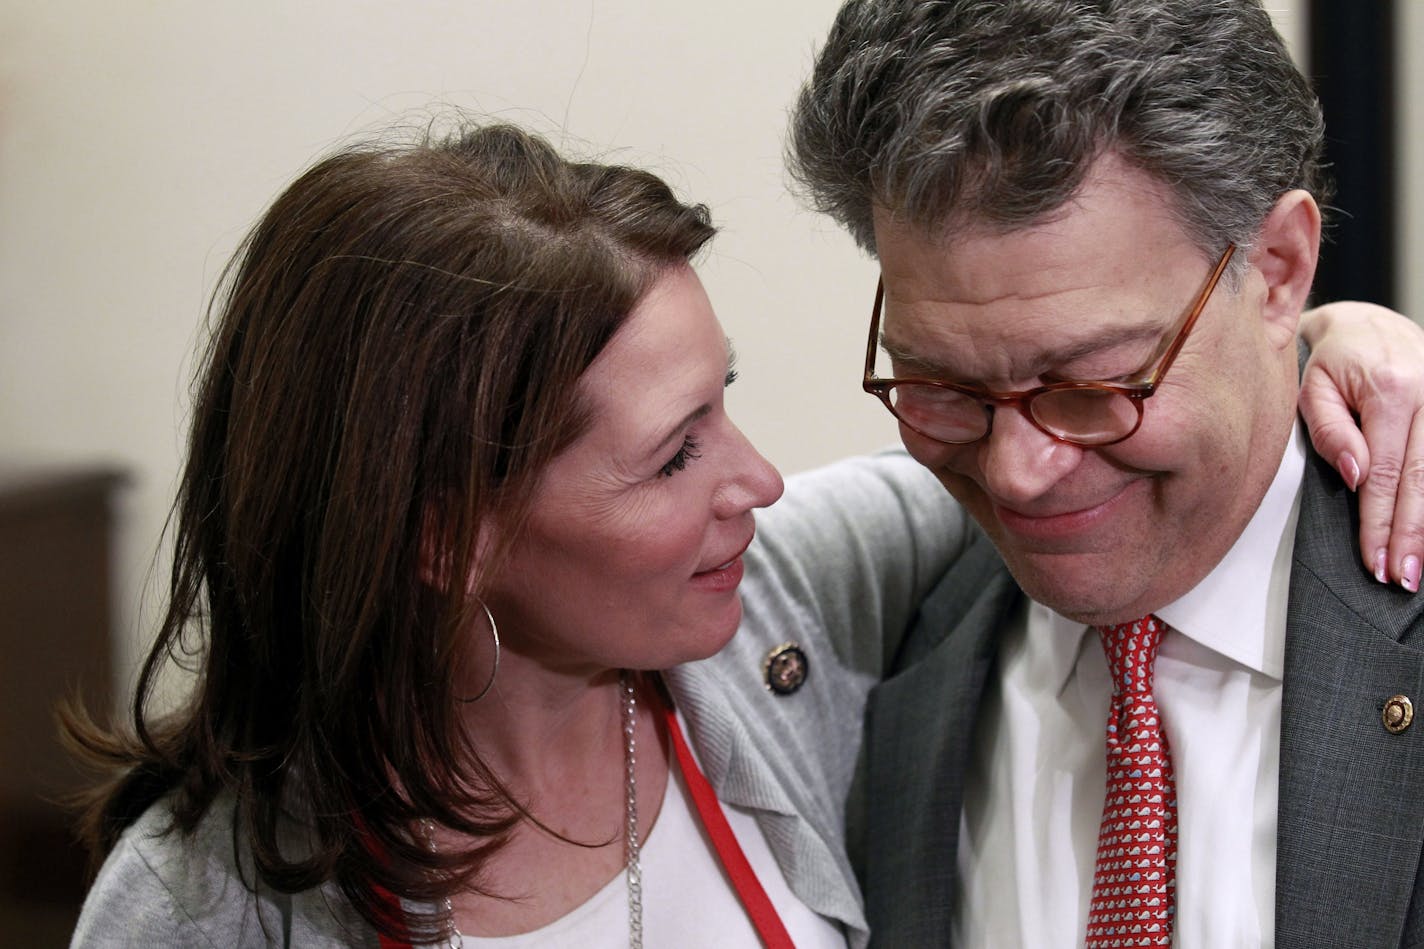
x: 675, y: 432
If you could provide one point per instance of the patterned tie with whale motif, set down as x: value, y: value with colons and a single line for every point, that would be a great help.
x: 1134, y: 883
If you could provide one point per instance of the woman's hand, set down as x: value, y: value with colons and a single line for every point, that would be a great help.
x: 1369, y: 361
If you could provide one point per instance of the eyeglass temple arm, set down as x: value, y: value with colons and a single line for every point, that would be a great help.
x: 1180, y: 339
x: 874, y: 330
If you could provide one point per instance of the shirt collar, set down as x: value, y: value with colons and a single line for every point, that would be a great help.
x: 1237, y: 610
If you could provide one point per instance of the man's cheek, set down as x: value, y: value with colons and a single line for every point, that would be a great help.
x: 934, y: 455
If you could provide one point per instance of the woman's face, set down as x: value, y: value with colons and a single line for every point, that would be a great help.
x: 632, y: 555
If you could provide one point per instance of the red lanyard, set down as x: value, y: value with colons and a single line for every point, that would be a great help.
x: 753, y: 896
x: 744, y: 879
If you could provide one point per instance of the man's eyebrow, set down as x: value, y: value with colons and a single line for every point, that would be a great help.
x: 915, y: 364
x: 911, y: 363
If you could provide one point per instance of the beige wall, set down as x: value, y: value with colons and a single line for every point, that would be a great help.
x: 138, y: 139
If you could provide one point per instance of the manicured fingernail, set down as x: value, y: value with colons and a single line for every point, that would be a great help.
x: 1409, y: 574
x: 1349, y: 469
x: 1381, y: 556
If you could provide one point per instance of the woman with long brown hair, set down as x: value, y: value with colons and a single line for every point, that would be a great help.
x: 459, y: 473
x: 460, y: 481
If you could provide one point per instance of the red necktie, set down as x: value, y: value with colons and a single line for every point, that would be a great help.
x: 1133, y: 883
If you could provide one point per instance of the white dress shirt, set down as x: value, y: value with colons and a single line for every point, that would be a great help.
x: 1033, y: 803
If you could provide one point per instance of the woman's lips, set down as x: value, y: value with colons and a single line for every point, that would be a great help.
x: 724, y: 576
x: 720, y: 579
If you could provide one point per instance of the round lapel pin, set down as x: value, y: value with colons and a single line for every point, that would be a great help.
x: 785, y: 668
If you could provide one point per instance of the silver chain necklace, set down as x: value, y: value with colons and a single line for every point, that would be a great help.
x: 631, y: 847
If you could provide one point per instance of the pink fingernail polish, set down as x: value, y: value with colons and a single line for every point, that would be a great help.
x: 1409, y: 578
x: 1349, y: 469
x: 1381, y: 556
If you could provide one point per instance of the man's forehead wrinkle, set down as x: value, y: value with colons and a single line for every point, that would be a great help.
x: 1058, y: 304
x: 1017, y: 294
x: 980, y: 275
x: 983, y: 345
x: 952, y: 350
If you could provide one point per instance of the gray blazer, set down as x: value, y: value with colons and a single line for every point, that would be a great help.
x: 1351, y: 822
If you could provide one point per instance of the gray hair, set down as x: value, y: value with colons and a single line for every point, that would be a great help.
x: 988, y: 113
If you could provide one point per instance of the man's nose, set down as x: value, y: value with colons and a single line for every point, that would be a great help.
x: 1019, y: 462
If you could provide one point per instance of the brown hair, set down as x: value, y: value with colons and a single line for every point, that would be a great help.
x: 399, y: 344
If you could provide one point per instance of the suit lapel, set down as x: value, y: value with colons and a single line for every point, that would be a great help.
x: 1351, y: 819
x: 904, y: 813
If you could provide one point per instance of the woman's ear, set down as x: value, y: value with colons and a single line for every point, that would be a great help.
x: 434, y: 550
x: 1285, y: 254
x: 440, y: 552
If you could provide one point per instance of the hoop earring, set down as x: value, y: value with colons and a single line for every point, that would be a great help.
x: 494, y: 634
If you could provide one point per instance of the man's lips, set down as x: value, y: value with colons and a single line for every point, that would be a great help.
x: 1066, y: 522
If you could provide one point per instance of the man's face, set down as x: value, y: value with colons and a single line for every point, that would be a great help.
x: 1109, y: 534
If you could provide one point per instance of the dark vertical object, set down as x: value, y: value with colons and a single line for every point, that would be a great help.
x: 56, y: 630
x: 1352, y: 65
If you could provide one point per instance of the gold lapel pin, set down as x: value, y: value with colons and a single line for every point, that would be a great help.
x: 1397, y: 714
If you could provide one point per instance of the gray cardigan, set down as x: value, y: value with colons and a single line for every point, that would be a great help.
x: 839, y: 566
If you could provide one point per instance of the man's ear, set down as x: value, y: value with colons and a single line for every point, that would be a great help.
x: 1285, y: 255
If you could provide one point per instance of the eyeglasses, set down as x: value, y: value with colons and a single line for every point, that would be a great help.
x: 1091, y: 414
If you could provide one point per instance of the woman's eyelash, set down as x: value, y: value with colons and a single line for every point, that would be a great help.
x: 686, y: 453
x: 690, y: 449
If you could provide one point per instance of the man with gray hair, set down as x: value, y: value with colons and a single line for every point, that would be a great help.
x: 1097, y: 224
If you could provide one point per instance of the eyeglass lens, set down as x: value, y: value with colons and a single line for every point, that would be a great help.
x: 1088, y: 416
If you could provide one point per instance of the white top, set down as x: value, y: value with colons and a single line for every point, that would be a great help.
x: 688, y: 900
x: 1029, y: 829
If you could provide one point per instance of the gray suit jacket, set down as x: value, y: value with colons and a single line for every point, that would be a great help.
x: 1351, y: 821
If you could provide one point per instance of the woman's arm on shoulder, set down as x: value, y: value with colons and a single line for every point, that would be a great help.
x: 1362, y: 394
x: 855, y: 546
